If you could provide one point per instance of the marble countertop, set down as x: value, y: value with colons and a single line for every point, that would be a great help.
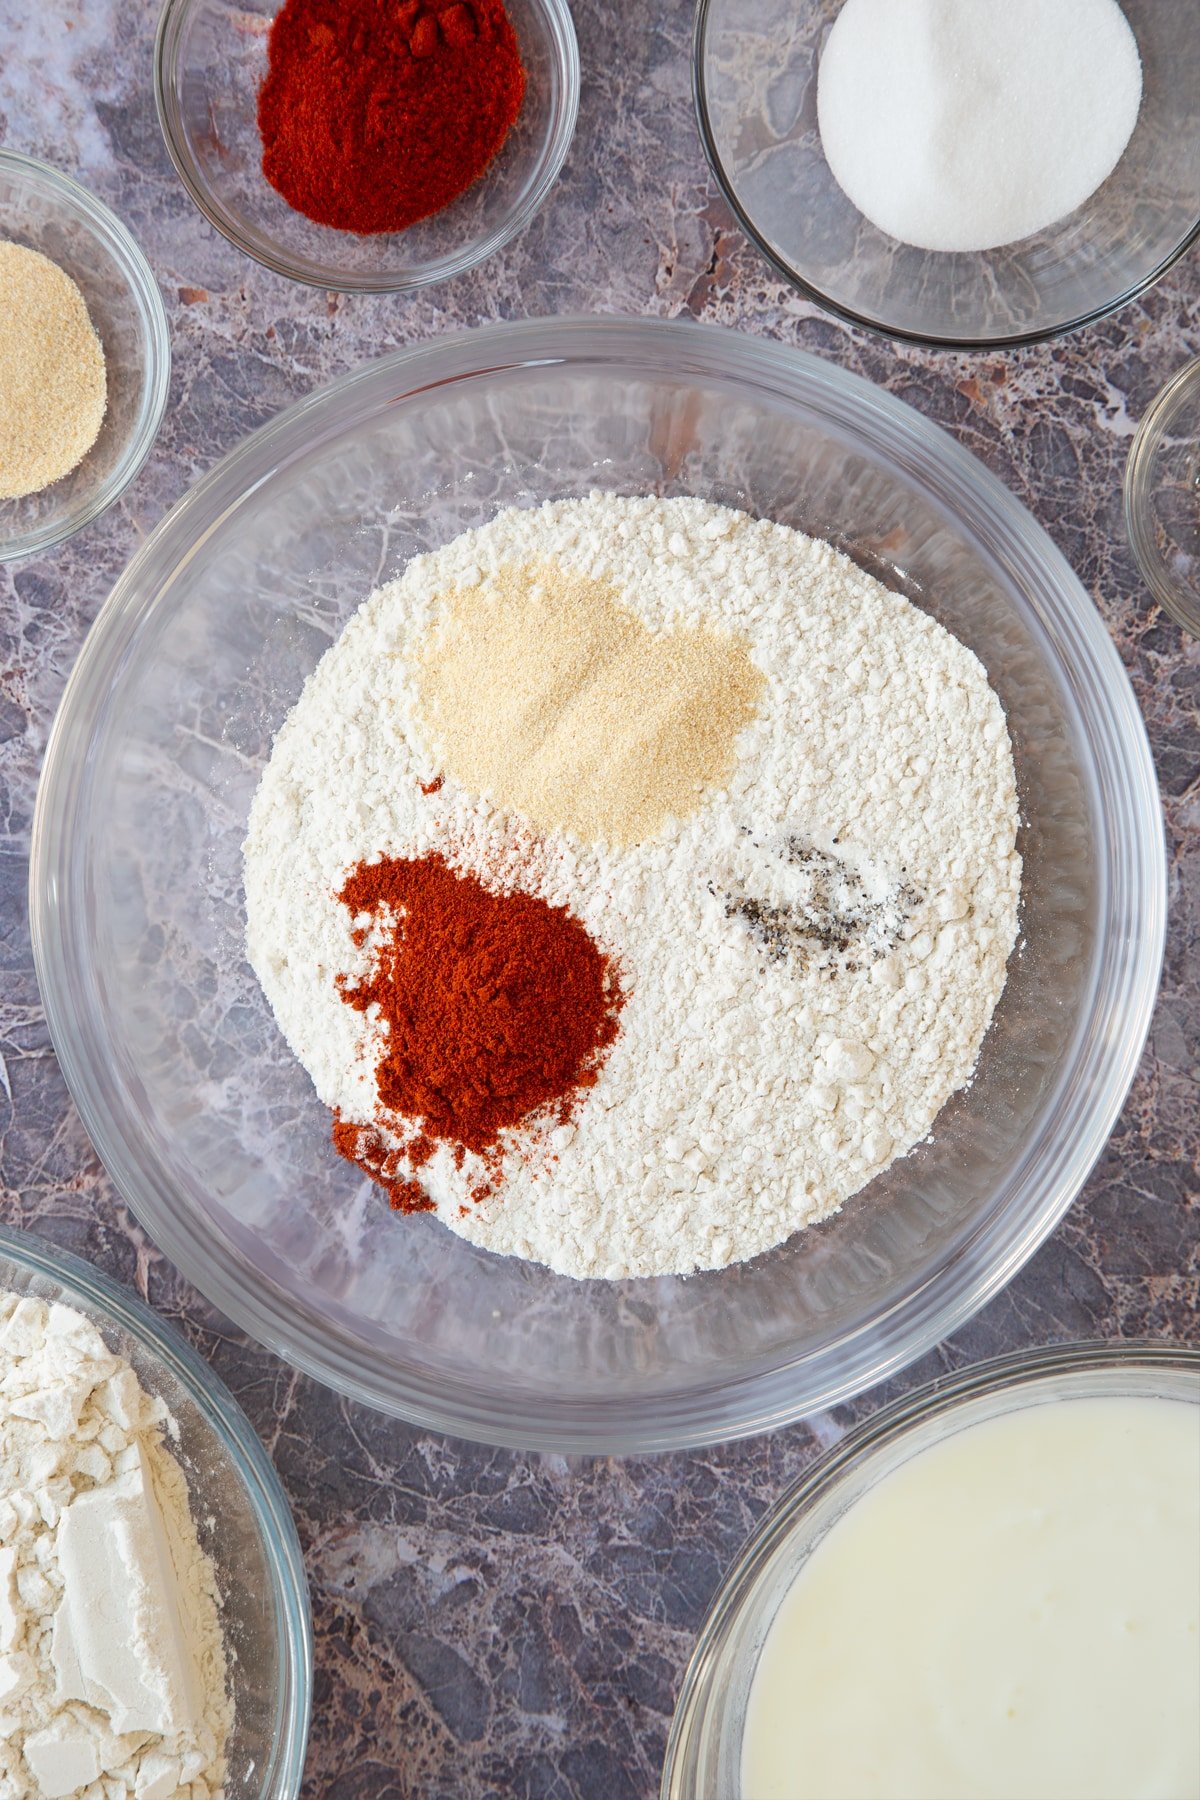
x: 487, y: 1623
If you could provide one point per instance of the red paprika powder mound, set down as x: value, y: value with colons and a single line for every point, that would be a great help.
x: 376, y: 113
x: 498, y: 1006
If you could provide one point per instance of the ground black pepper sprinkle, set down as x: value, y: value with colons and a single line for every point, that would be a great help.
x: 837, y: 921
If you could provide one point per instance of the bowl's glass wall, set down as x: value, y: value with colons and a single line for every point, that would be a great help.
x: 1162, y: 497
x: 44, y: 211
x: 264, y: 1626
x: 704, y: 1755
x: 199, y: 1107
x: 212, y: 58
x: 757, y: 87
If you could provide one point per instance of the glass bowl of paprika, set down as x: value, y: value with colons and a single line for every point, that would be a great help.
x: 361, y: 156
x: 209, y: 1125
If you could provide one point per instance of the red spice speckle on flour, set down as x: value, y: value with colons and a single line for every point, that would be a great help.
x: 363, y: 1145
x: 432, y: 787
x: 498, y: 1007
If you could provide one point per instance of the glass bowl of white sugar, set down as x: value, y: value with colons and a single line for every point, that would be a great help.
x: 1036, y: 1637
x: 212, y: 1129
x: 964, y: 176
x: 238, y: 1508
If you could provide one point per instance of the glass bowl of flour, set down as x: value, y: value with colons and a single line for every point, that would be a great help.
x: 212, y: 1128
x: 239, y: 1510
x: 971, y: 177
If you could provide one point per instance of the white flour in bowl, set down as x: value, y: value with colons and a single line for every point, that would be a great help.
x: 112, y: 1660
x: 810, y: 958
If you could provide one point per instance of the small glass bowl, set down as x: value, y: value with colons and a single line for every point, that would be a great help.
x: 1162, y: 497
x: 209, y: 62
x: 755, y: 80
x: 704, y: 1750
x: 239, y: 1506
x: 47, y: 211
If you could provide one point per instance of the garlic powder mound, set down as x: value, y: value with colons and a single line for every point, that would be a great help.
x: 811, y: 945
x: 53, y: 383
x: 544, y: 691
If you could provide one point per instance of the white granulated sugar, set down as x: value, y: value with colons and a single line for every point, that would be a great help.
x: 112, y: 1661
x: 967, y: 124
x: 811, y: 959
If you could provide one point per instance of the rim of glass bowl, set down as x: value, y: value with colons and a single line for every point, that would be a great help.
x: 1156, y: 421
x: 869, y: 323
x: 1131, y: 894
x: 263, y: 249
x: 260, y: 1480
x: 105, y: 225
x: 700, y: 1697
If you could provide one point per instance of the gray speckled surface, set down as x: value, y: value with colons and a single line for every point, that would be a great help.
x: 487, y: 1623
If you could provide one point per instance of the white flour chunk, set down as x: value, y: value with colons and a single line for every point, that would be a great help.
x: 810, y: 959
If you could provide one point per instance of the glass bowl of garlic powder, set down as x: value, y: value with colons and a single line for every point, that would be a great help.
x: 212, y: 1128
x: 88, y: 361
x: 151, y: 1464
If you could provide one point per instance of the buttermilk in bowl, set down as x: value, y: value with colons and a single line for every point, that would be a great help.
x: 1011, y: 1614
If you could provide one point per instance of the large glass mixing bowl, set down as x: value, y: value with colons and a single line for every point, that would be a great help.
x: 212, y: 1131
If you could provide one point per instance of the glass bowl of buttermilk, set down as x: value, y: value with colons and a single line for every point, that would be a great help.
x: 211, y: 62
x: 44, y: 212
x: 971, y: 177
x: 240, y: 1514
x: 211, y: 1128
x: 986, y: 1591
